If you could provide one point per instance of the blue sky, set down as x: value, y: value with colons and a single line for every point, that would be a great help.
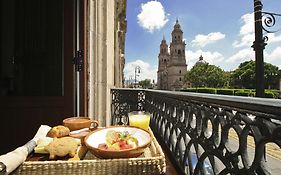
x: 221, y: 30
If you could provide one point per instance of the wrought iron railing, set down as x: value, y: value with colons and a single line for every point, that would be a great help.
x: 204, y: 133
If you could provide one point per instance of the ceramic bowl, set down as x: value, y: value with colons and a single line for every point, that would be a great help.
x: 98, y: 136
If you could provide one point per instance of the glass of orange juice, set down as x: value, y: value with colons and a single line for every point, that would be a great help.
x: 139, y: 119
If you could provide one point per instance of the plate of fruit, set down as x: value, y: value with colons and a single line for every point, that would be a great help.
x: 118, y: 142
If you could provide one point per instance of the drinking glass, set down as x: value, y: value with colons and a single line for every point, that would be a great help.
x: 139, y: 119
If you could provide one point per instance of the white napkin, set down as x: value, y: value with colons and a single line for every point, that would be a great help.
x: 16, y: 157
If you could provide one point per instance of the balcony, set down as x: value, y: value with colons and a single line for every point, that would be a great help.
x: 209, y: 134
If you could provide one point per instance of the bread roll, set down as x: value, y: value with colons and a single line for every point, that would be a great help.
x: 58, y: 131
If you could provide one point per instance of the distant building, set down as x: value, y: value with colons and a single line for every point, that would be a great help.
x: 172, y: 65
x: 201, y: 61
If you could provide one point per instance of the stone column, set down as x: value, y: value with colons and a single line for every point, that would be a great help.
x: 106, y: 40
x: 101, y: 59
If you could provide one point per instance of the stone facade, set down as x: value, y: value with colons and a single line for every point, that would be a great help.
x: 172, y: 65
x: 106, y: 29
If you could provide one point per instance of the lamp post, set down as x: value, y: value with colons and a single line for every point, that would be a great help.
x: 137, y: 70
x: 259, y: 43
x: 268, y: 19
x: 258, y: 47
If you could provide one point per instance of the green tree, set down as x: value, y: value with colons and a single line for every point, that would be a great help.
x: 272, y: 76
x: 206, y: 75
x: 145, y: 83
x: 244, y: 76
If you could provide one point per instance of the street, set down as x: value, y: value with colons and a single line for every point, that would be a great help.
x: 273, y: 152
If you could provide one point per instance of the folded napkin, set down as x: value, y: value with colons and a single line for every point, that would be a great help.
x: 16, y: 157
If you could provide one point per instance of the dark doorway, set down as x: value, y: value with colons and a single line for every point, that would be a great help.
x: 36, y: 70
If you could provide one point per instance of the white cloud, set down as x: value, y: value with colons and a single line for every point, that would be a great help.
x: 248, y: 26
x: 247, y: 33
x: 202, y: 40
x: 152, y: 16
x: 274, y: 55
x: 146, y: 71
x: 245, y: 41
x: 241, y: 56
x: 273, y: 38
x: 211, y: 57
x: 249, y: 54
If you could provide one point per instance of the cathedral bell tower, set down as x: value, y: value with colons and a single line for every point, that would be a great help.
x: 177, y: 67
x: 177, y: 46
x: 172, y: 66
x: 163, y: 61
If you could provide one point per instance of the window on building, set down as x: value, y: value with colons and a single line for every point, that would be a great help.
x: 179, y: 52
x: 180, y: 71
x: 180, y: 78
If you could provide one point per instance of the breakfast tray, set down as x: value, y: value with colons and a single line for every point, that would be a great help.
x: 152, y: 161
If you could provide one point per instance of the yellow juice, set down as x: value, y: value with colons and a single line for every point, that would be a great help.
x: 139, y: 120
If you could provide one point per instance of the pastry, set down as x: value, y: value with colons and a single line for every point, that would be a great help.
x: 41, y: 143
x: 62, y: 147
x: 58, y: 131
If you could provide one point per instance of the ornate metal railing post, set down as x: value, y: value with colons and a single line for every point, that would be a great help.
x: 258, y: 46
x: 268, y: 19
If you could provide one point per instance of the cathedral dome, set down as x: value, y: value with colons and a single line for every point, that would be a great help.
x: 200, y: 61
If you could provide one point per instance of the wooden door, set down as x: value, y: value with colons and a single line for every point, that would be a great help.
x: 36, y: 69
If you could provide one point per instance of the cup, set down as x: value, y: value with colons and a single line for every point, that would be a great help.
x: 76, y: 123
x: 139, y: 119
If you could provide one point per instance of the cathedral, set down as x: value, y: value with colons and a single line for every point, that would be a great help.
x: 172, y: 64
